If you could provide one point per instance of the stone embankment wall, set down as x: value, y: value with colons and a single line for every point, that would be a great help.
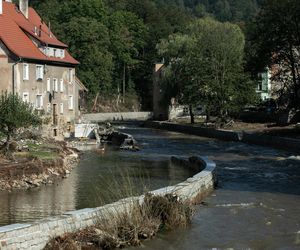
x: 108, y: 117
x: 36, y: 235
x: 289, y: 144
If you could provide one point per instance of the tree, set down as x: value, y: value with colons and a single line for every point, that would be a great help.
x: 275, y: 42
x: 206, y: 67
x: 89, y: 42
x: 223, y: 10
x: 127, y: 32
x: 114, y: 40
x: 15, y: 114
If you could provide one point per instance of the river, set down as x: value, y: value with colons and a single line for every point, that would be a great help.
x: 256, y: 206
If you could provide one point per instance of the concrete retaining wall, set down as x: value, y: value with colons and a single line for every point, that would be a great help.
x: 36, y: 235
x: 187, y: 129
x: 107, y: 117
x: 288, y: 144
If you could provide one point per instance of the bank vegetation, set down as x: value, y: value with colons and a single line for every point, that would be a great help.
x: 130, y: 227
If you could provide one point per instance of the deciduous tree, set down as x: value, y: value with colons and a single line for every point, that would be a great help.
x: 206, y: 67
x: 15, y: 114
x: 275, y: 42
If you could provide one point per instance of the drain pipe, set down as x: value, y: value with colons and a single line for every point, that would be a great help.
x: 14, y: 75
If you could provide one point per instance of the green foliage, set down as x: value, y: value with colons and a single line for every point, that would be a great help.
x: 274, y: 40
x: 225, y: 10
x: 206, y: 66
x: 89, y: 42
x: 15, y: 114
x: 108, y: 36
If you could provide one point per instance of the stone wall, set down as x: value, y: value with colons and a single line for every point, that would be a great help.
x: 126, y: 116
x: 36, y: 235
x: 288, y: 144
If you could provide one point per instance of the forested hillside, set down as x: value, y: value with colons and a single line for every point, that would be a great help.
x: 225, y: 10
x: 115, y: 40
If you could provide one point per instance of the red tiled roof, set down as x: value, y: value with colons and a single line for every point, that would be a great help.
x: 15, y: 30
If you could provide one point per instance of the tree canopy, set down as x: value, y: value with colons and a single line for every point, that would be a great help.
x: 205, y: 67
x: 115, y: 40
x: 15, y: 114
x: 274, y: 41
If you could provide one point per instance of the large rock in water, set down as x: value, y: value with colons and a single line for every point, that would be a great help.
x: 130, y: 144
x: 124, y: 141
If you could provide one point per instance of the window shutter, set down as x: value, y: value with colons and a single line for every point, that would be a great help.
x: 71, y: 102
x: 61, y: 108
x: 25, y: 71
x: 48, y: 85
x: 61, y: 85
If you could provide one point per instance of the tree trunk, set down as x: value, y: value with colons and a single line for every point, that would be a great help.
x: 293, y: 68
x: 95, y: 102
x: 124, y: 82
x: 7, y: 142
x: 207, y: 111
x: 118, y: 97
x: 192, y: 114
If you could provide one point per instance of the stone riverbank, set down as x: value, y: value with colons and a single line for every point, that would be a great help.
x: 37, y: 234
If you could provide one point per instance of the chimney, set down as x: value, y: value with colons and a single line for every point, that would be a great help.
x: 1, y: 7
x: 23, y: 5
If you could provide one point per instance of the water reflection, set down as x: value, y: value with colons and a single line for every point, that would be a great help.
x: 256, y: 205
x: 99, y: 178
x: 22, y: 206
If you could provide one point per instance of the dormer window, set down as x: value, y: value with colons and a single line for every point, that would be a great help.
x: 62, y: 53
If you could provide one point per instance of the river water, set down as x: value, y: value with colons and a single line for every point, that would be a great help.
x: 256, y: 206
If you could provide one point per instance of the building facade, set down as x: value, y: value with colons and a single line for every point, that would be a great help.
x: 264, y: 86
x: 160, y: 109
x: 37, y: 66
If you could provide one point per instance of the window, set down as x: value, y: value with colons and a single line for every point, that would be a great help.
x: 51, y: 52
x: 61, y: 85
x: 55, y: 85
x: 70, y: 76
x: 55, y: 52
x: 39, y: 101
x: 25, y: 71
x: 39, y: 72
x: 49, y: 107
x: 62, y: 53
x: 71, y: 102
x: 61, y: 107
x: 26, y: 97
x: 48, y: 85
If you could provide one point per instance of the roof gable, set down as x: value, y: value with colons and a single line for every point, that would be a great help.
x: 15, y: 30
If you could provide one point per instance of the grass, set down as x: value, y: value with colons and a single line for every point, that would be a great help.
x: 44, y: 151
x: 138, y: 222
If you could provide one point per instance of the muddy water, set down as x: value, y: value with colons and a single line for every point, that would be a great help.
x: 99, y: 179
x: 256, y: 206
